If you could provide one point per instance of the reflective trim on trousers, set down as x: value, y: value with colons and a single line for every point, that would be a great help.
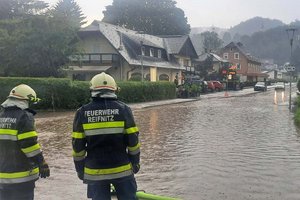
x: 107, y: 176
x: 104, y: 131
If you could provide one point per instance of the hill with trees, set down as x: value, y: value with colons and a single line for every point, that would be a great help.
x: 254, y: 25
x: 274, y: 44
x: 263, y: 38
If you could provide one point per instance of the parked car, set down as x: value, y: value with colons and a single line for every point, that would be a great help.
x: 204, y: 87
x: 218, y: 85
x: 210, y: 86
x: 260, y: 86
x: 280, y: 86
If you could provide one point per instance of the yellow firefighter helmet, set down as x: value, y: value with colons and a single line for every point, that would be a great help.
x: 103, y: 81
x: 24, y: 92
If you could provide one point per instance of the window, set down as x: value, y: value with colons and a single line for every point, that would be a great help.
x: 225, y: 55
x: 147, y: 77
x: 236, y: 56
x: 238, y: 66
x: 186, y: 63
x: 152, y: 52
x: 159, y: 53
x: 135, y: 77
x: 163, y: 77
x: 143, y: 51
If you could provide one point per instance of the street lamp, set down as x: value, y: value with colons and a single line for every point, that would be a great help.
x: 142, y: 61
x: 291, y: 32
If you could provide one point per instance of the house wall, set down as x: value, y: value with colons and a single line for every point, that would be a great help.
x: 271, y: 74
x: 242, y: 60
x: 254, y: 67
x: 247, y: 66
x: 96, y: 43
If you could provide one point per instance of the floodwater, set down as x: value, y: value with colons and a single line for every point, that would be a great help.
x: 235, y: 148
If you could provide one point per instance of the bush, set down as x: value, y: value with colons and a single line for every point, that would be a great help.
x: 297, y: 112
x: 146, y: 91
x: 60, y: 93
x: 298, y: 85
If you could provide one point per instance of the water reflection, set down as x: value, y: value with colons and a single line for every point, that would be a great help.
x: 229, y: 148
x: 281, y: 95
x: 236, y: 148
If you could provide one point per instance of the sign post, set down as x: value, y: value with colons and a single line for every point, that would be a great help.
x: 290, y: 69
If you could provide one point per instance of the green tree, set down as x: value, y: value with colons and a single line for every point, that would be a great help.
x: 211, y: 41
x: 36, y: 47
x: 204, y: 66
x: 37, y: 43
x: 271, y: 44
x: 158, y: 17
x: 69, y: 13
x: 10, y: 9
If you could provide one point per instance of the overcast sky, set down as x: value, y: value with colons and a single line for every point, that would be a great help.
x: 218, y: 13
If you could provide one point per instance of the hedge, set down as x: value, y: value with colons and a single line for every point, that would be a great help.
x: 62, y: 93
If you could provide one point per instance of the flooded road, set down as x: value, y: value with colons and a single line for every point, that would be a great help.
x: 213, y: 149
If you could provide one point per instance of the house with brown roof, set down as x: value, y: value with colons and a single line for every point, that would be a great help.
x: 216, y: 65
x: 248, y: 67
x: 126, y: 54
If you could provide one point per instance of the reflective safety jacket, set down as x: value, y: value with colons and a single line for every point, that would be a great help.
x: 105, y: 140
x: 20, y: 153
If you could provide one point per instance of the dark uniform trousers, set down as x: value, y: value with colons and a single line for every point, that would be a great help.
x: 126, y: 189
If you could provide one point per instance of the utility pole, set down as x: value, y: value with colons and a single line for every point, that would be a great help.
x: 291, y: 32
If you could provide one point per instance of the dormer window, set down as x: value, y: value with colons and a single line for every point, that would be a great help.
x: 151, y: 52
x: 159, y: 53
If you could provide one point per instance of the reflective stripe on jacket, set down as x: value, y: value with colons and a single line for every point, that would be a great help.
x: 20, y: 153
x: 105, y: 140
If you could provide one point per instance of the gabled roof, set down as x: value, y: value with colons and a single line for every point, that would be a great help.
x: 242, y: 49
x: 176, y: 44
x: 126, y: 42
x: 215, y: 57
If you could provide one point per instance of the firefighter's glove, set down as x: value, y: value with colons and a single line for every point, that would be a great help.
x: 80, y: 175
x: 44, y: 170
x: 136, y: 168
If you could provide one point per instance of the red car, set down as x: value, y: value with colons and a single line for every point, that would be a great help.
x: 210, y: 86
x: 218, y: 85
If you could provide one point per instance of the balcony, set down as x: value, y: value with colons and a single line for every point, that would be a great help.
x: 95, y: 59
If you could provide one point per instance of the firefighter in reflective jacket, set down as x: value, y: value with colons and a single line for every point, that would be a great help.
x: 21, y: 158
x: 106, y: 149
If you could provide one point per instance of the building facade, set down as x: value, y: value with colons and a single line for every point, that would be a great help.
x: 248, y: 67
x: 129, y: 55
